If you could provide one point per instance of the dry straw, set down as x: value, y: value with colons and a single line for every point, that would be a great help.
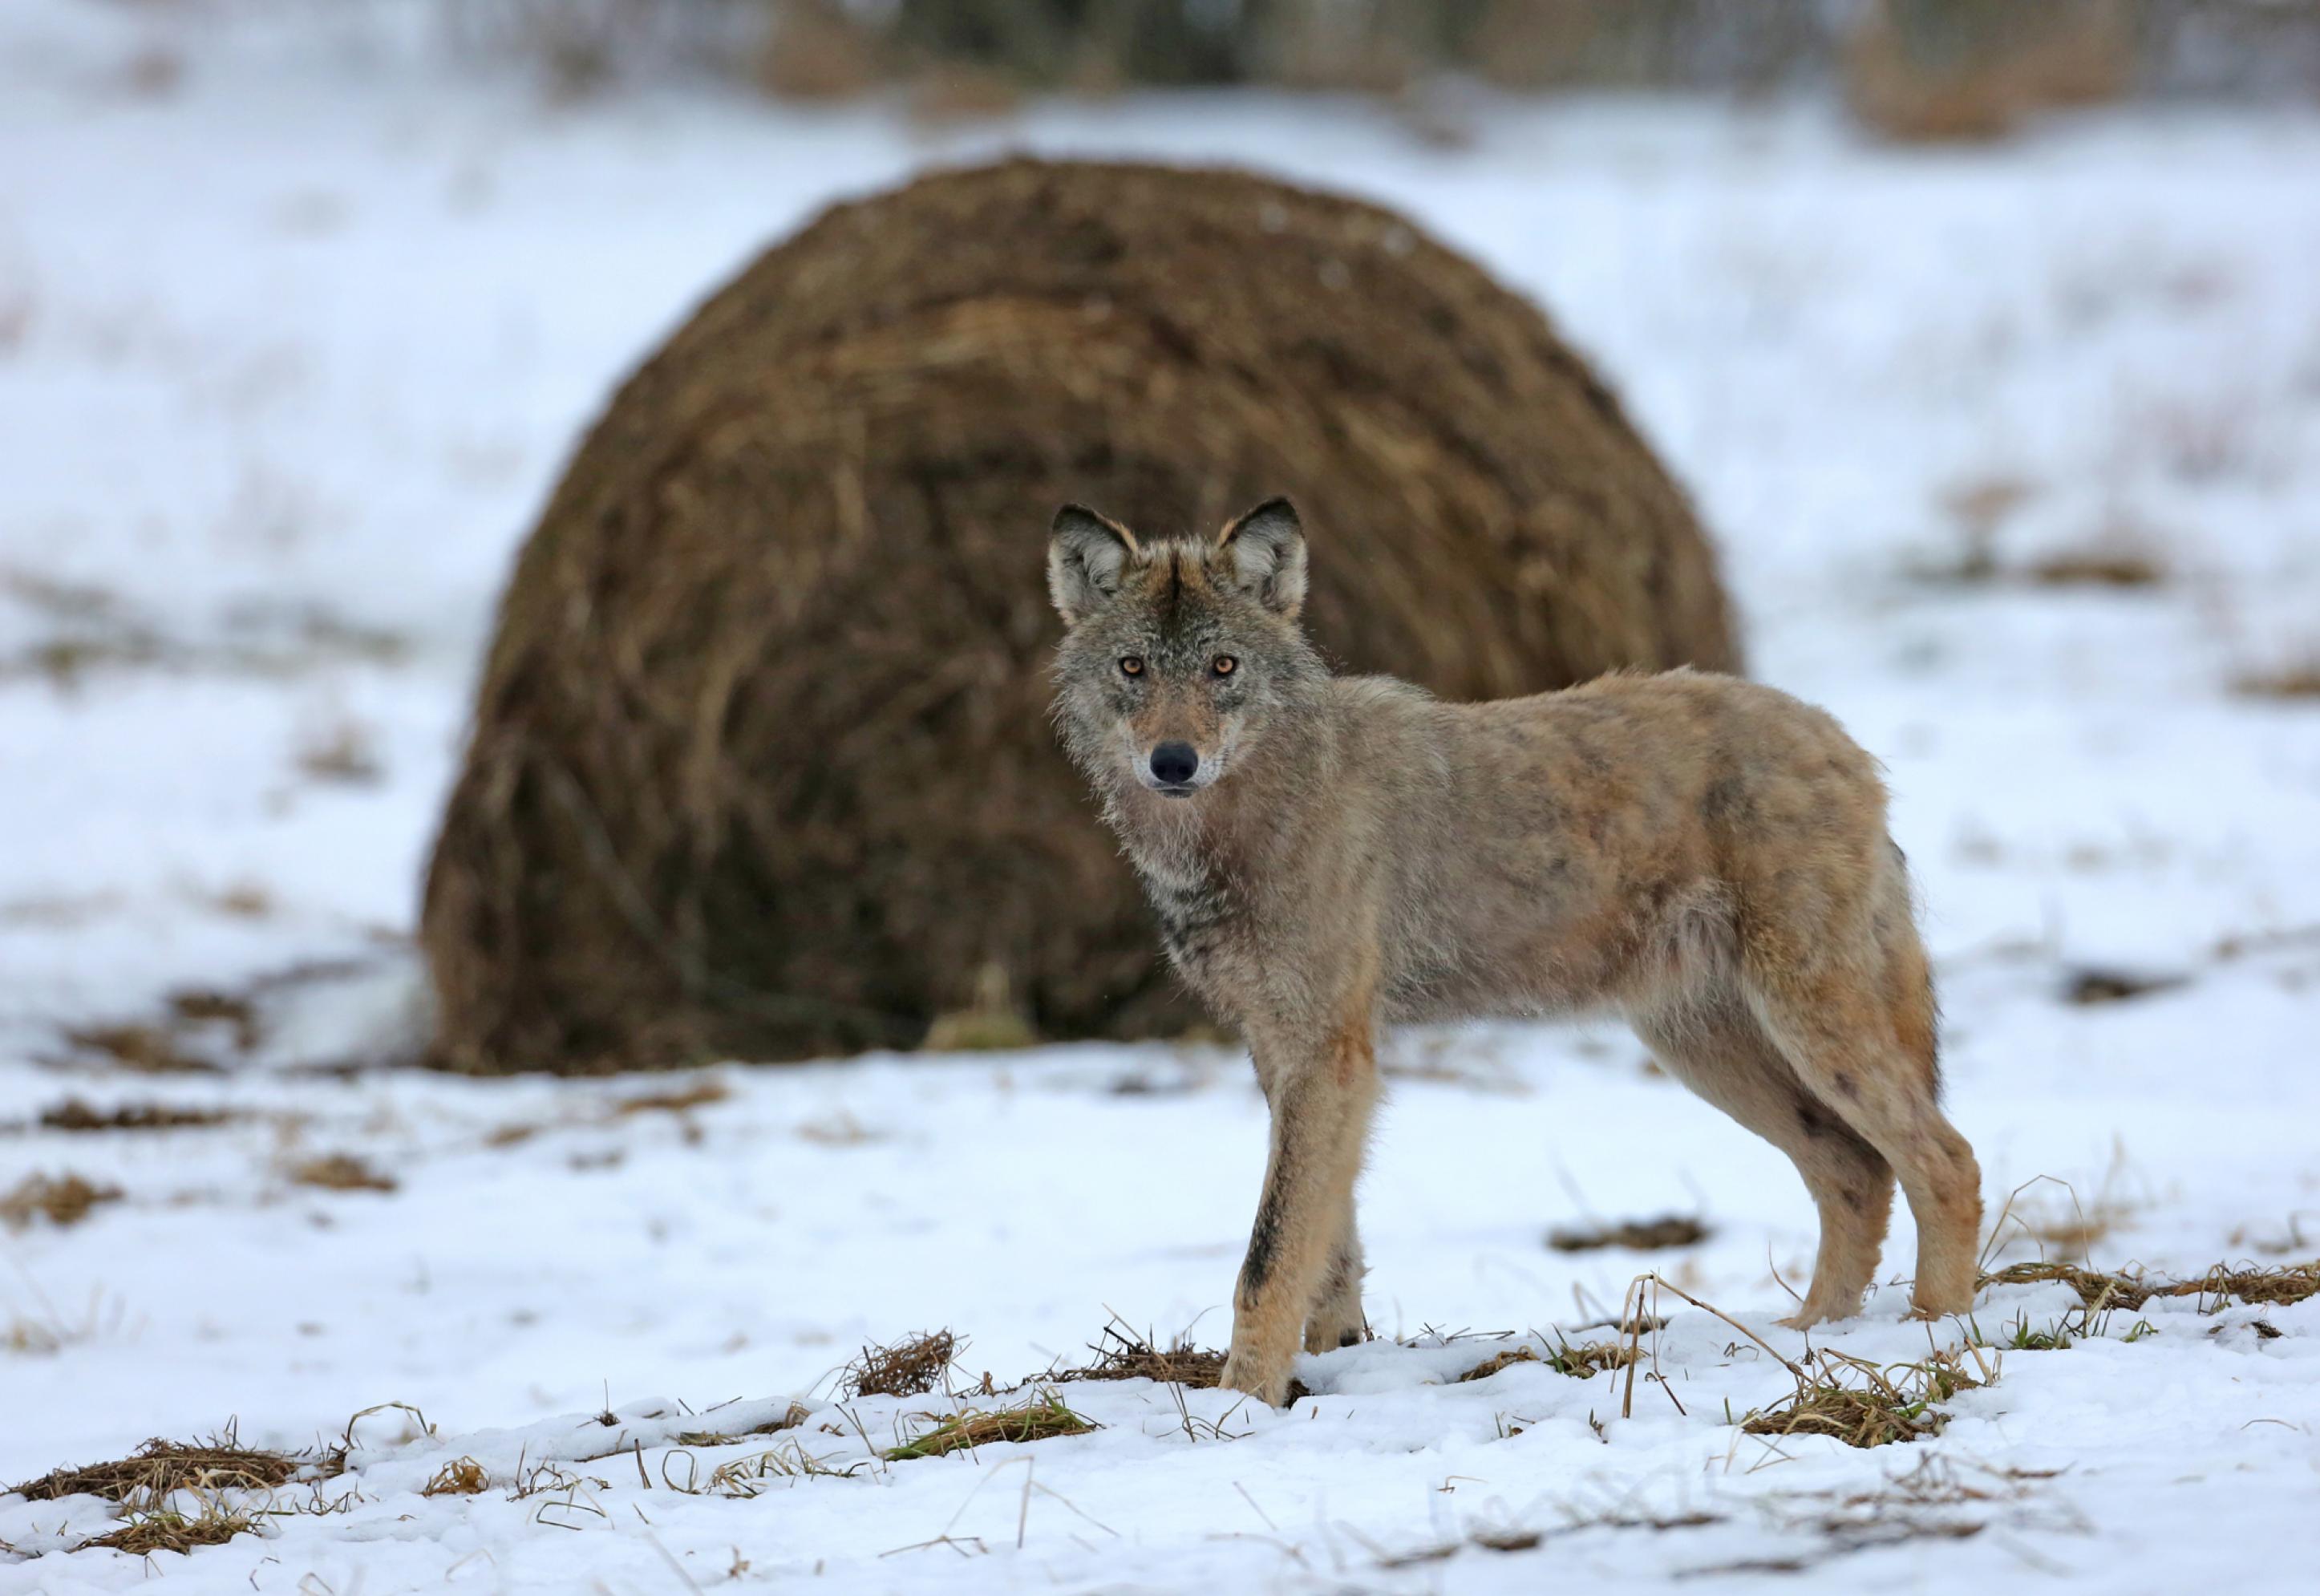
x: 1121, y: 1353
x: 1669, y: 1231
x: 2224, y: 1283
x: 1581, y: 1362
x: 911, y: 1366
x: 1845, y: 1398
x: 61, y: 1200
x: 760, y: 765
x: 1037, y: 1421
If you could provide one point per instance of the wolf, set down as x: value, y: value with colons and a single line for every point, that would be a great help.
x: 1704, y: 856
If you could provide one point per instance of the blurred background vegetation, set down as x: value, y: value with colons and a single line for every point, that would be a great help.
x: 1906, y: 69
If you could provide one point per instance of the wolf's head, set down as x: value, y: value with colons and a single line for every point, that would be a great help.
x: 1177, y: 654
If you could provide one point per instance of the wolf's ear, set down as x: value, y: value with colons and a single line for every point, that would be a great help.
x: 1086, y: 553
x: 1264, y: 552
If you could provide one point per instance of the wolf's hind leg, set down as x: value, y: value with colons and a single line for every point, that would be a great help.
x: 1714, y: 1045
x: 1871, y: 1062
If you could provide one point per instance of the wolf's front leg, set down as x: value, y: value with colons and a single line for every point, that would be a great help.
x: 1336, y: 1319
x: 1322, y: 1096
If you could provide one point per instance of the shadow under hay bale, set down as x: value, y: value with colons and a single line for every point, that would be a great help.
x: 760, y: 766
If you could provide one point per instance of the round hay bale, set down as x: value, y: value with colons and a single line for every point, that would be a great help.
x: 761, y: 766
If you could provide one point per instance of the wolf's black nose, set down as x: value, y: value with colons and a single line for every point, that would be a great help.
x: 1175, y: 762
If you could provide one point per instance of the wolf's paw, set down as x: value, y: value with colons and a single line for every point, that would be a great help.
x: 1323, y: 1334
x: 1245, y: 1372
x: 1811, y: 1314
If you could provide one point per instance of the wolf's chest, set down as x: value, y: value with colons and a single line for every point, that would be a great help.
x: 1197, y: 914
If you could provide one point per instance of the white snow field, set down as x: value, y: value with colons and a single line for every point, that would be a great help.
x: 2014, y: 455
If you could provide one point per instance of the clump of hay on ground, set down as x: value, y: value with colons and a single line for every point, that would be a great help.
x: 340, y: 1172
x: 1864, y: 1404
x: 911, y: 1366
x: 2250, y: 1283
x: 1036, y: 1421
x: 163, y: 1526
x: 61, y: 1200
x: 1583, y: 1362
x: 761, y: 766
x: 2285, y: 683
x: 75, y: 1115
x: 1850, y: 1398
x: 177, y: 1495
x: 795, y: 1416
x: 462, y: 1476
x: 2090, y: 988
x: 160, y: 1467
x: 1668, y: 1230
x: 701, y: 1093
x: 1121, y: 1353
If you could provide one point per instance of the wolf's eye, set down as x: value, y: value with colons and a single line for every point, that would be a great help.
x: 1131, y: 667
x: 1224, y: 664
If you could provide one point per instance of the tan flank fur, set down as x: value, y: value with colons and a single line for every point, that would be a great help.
x: 1325, y: 854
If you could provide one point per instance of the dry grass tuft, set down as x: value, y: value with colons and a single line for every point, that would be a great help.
x: 344, y: 753
x: 1583, y: 1362
x: 911, y: 1366
x: 993, y: 1022
x: 1864, y: 1404
x: 838, y: 1130
x: 162, y: 1528
x: 148, y: 1049
x: 2091, y: 988
x: 462, y: 1476
x: 341, y: 1172
x: 196, y: 1006
x: 1121, y: 1353
x: 2097, y: 567
x: 2220, y: 1286
x: 1858, y: 1402
x: 160, y: 1467
x: 698, y: 1093
x: 75, y: 1115
x: 175, y: 1496
x: 1047, y: 1416
x: 1641, y: 1235
x: 61, y: 1200
x: 2290, y: 683
x: 796, y: 1416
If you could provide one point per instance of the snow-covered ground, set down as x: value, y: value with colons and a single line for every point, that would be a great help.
x: 290, y: 349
